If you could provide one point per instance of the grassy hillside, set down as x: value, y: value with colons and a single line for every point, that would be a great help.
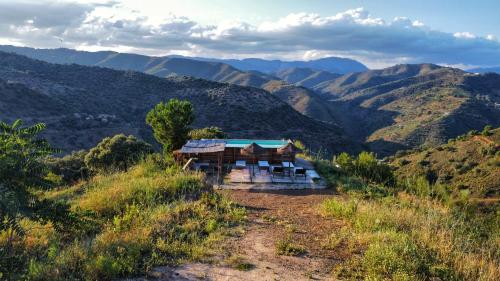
x: 409, y: 105
x: 95, y: 102
x: 406, y: 237
x: 130, y: 222
x: 410, y: 228
x: 470, y: 163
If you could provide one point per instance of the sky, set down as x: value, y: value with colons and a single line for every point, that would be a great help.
x: 378, y: 33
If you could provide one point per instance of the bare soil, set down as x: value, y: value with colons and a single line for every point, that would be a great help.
x: 272, y: 216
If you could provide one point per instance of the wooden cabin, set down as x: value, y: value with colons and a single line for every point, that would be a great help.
x: 228, y: 151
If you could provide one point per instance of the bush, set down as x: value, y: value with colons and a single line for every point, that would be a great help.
x: 487, y: 131
x: 116, y: 154
x: 367, y: 167
x: 207, y: 133
x: 71, y: 167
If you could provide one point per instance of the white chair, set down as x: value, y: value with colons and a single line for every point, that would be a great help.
x: 264, y: 165
x: 240, y: 164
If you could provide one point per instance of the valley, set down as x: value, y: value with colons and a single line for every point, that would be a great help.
x: 397, y: 108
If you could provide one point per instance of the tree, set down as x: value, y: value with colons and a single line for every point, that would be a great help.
x: 170, y: 122
x: 116, y: 154
x: 207, y: 133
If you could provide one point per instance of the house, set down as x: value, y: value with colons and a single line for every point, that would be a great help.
x: 231, y: 161
x: 228, y: 151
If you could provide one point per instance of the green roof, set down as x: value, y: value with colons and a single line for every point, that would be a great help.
x: 240, y: 143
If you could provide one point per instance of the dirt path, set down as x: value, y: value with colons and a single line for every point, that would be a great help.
x: 272, y: 216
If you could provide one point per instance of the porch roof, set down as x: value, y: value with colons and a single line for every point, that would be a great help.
x: 203, y: 146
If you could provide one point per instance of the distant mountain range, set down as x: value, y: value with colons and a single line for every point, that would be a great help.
x: 183, y: 66
x: 83, y: 104
x: 329, y: 64
x: 395, y: 108
x: 152, y: 64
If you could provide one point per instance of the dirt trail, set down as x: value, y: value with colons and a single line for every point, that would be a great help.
x: 272, y: 216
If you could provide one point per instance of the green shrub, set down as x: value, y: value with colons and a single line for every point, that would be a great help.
x: 487, y: 131
x: 365, y: 166
x: 207, y: 133
x: 116, y: 154
x: 71, y: 167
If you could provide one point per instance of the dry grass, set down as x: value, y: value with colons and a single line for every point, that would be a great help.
x: 407, y: 237
x: 138, y: 219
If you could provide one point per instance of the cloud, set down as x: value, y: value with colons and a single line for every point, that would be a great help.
x: 353, y: 33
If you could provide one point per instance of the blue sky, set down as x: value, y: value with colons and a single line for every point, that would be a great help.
x: 378, y: 33
x: 480, y: 17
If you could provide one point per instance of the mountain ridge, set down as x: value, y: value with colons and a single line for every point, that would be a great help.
x: 94, y: 102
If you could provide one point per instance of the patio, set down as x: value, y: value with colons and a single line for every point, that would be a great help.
x: 262, y: 174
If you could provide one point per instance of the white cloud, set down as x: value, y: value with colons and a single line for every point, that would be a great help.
x: 353, y: 33
x: 466, y: 35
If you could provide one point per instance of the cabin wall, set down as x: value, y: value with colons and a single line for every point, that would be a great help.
x: 231, y: 155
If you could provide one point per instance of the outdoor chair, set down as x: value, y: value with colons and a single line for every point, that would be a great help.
x: 300, y: 172
x: 278, y: 171
x: 264, y: 165
x: 240, y: 164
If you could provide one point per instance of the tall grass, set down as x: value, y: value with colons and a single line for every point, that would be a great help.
x: 413, y: 238
x: 148, y: 216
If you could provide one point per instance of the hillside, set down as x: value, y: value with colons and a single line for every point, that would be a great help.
x: 409, y: 105
x: 470, y: 163
x: 391, y: 109
x: 305, y: 76
x: 183, y: 66
x: 83, y: 104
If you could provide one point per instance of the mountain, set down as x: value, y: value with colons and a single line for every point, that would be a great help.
x: 83, y: 104
x: 306, y: 77
x: 145, y: 63
x: 470, y: 162
x: 182, y: 66
x: 495, y: 69
x: 329, y: 64
x: 390, y: 109
x: 302, y: 99
x: 407, y: 106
